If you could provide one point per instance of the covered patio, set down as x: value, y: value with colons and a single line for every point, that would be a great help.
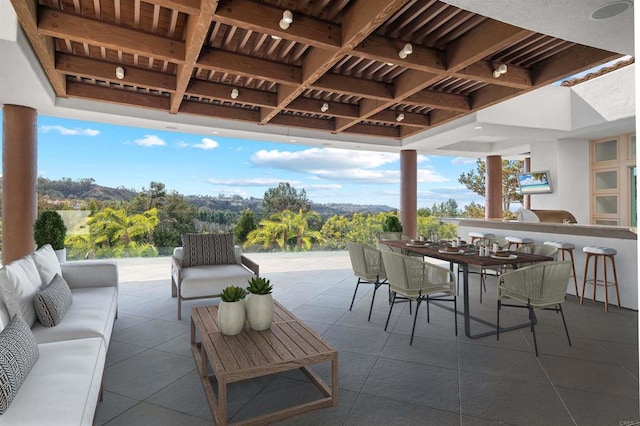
x: 441, y: 380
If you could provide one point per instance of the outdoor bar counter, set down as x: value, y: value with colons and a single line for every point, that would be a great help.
x: 623, y: 239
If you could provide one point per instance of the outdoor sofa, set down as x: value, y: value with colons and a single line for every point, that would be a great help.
x: 64, y: 384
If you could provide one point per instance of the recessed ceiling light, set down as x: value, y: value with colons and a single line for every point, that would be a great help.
x: 292, y: 140
x: 477, y: 128
x: 172, y: 127
x: 610, y: 10
x: 214, y: 132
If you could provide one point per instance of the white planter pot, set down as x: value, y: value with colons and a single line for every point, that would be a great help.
x: 61, y: 255
x: 231, y: 317
x: 259, y: 311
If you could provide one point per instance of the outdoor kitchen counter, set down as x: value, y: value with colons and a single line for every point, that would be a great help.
x: 623, y: 239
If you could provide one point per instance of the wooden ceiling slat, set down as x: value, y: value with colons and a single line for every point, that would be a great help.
x: 127, y: 97
x: 190, y: 7
x: 220, y: 60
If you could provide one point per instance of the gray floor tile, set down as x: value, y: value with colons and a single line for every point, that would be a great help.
x: 319, y: 313
x: 475, y: 421
x: 626, y: 354
x: 180, y: 345
x: 596, y: 409
x: 149, y: 414
x: 326, y: 416
x: 146, y: 373
x: 111, y: 406
x: 373, y: 410
x: 368, y: 342
x: 152, y: 309
x: 185, y: 395
x: 438, y: 353
x: 125, y: 321
x: 512, y: 401
x: 151, y: 333
x: 412, y: 383
x: 120, y: 351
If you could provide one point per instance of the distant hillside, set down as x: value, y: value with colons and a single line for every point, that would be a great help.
x: 85, y: 189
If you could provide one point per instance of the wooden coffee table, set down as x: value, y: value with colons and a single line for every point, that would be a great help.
x: 288, y: 345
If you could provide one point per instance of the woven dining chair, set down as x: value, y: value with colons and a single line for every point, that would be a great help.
x: 418, y: 280
x: 539, y: 286
x: 367, y: 266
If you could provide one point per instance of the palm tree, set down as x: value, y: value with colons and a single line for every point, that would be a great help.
x: 286, y: 230
x: 114, y: 229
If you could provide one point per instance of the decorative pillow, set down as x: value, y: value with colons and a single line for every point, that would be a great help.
x: 53, y: 302
x: 208, y: 249
x: 47, y: 263
x: 18, y: 354
x: 19, y: 282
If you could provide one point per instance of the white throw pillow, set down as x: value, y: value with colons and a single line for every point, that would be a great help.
x: 19, y: 283
x: 47, y: 264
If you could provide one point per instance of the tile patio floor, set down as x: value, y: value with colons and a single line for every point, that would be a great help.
x: 441, y: 380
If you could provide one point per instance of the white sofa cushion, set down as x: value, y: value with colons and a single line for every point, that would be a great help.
x: 47, y: 264
x: 18, y: 355
x: 91, y: 314
x: 19, y: 282
x: 63, y: 387
x: 53, y: 301
x: 201, y: 281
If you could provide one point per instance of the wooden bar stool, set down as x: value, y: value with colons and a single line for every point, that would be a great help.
x: 479, y: 235
x: 596, y: 253
x: 518, y: 241
x: 562, y: 248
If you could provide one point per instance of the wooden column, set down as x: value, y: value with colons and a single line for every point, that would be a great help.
x: 19, y: 180
x: 493, y: 188
x: 409, y: 192
x: 526, y: 200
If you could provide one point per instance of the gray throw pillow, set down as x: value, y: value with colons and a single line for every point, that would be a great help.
x: 53, y: 302
x: 208, y: 249
x: 18, y: 354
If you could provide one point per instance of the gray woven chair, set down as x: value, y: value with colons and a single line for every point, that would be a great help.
x: 367, y: 265
x: 483, y: 272
x: 418, y: 280
x: 539, y: 249
x: 539, y: 286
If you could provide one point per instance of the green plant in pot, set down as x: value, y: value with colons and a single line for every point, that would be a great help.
x: 49, y: 228
x: 231, y: 311
x: 259, y: 303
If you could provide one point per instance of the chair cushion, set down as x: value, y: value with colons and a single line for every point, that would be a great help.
x: 53, y: 302
x: 481, y: 234
x: 519, y: 240
x: 18, y: 354
x: 210, y: 280
x: 599, y: 250
x: 207, y: 249
x: 560, y: 245
x: 19, y: 282
x: 47, y: 263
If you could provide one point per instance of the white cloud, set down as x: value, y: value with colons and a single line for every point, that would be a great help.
x: 182, y: 144
x: 150, y: 140
x: 377, y: 176
x: 70, y: 132
x: 206, y: 143
x: 312, y: 159
x: 318, y: 187
x: 464, y: 160
x: 249, y: 182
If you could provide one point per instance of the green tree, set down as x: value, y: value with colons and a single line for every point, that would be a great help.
x: 245, y: 225
x: 287, y: 231
x: 473, y: 210
x: 392, y: 224
x: 334, y: 232
x: 284, y: 197
x: 175, y: 217
x: 475, y: 181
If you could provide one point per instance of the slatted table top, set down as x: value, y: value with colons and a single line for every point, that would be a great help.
x: 253, y: 353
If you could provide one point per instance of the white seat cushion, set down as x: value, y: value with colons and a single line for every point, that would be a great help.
x: 519, y: 240
x: 19, y: 283
x: 599, y: 250
x: 90, y: 315
x: 210, y: 280
x: 47, y: 264
x: 481, y: 235
x: 63, y: 386
x: 560, y: 245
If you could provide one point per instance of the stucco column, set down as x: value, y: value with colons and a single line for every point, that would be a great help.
x: 19, y: 180
x: 526, y: 200
x: 409, y: 192
x: 493, y: 188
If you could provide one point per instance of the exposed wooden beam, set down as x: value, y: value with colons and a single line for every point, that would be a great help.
x: 43, y: 46
x: 114, y: 96
x: 487, y: 38
x: 222, y: 92
x: 304, y: 122
x: 190, y: 7
x: 336, y: 109
x: 516, y: 77
x: 102, y: 70
x: 195, y: 34
x: 262, y: 18
x: 440, y: 100
x: 220, y: 60
x: 354, y: 86
x: 219, y: 111
x: 369, y: 130
x: 576, y: 59
x: 410, y: 118
x: 491, y: 95
x: 55, y: 23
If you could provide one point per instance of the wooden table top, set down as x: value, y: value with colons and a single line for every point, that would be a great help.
x: 288, y: 344
x: 471, y: 258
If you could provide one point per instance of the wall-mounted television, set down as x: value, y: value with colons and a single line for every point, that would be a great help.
x: 534, y: 182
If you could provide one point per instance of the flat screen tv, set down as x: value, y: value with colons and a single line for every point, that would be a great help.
x: 534, y: 182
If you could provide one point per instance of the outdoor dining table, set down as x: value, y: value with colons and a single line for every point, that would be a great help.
x: 469, y: 257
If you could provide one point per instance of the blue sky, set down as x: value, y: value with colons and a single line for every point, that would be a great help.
x: 208, y: 165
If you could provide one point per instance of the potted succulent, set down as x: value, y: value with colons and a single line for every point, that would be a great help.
x: 231, y: 311
x: 49, y: 228
x: 259, y: 304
